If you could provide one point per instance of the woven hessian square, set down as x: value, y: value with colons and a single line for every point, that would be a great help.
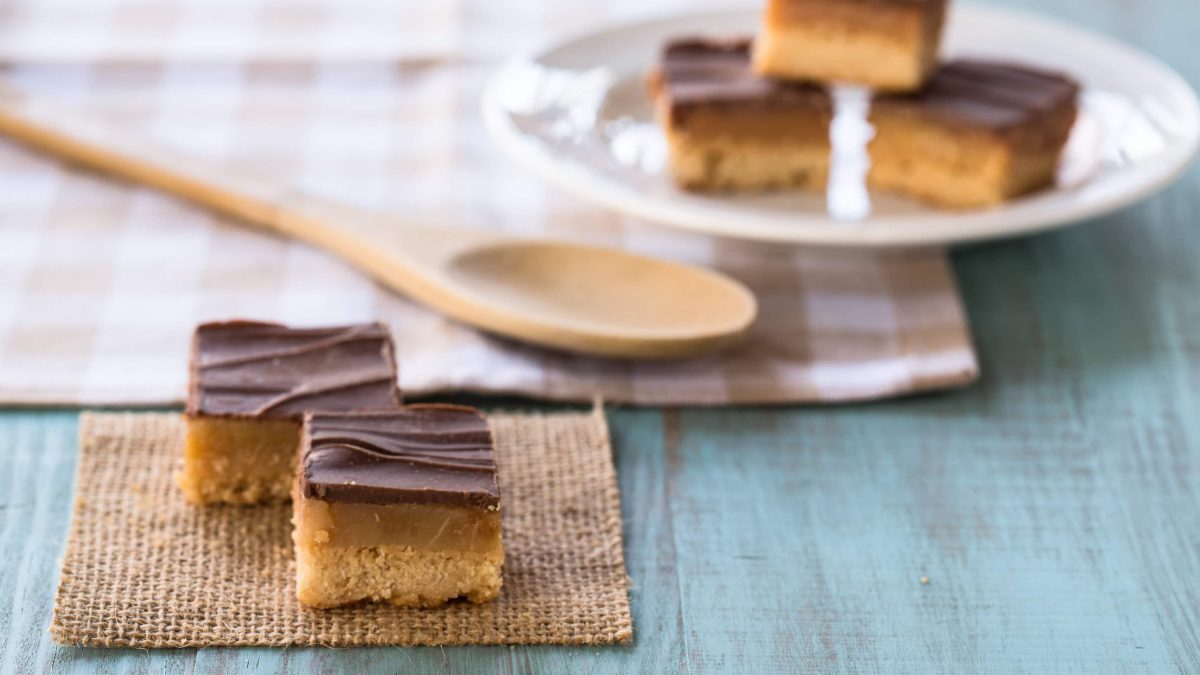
x: 145, y: 569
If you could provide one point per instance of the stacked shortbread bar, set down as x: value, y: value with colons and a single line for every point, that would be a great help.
x: 744, y: 116
x: 730, y: 129
x: 887, y: 44
x: 391, y: 503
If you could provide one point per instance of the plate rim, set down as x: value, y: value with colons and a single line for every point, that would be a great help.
x: 985, y: 225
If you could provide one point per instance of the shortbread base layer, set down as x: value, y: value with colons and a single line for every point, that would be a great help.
x: 887, y: 46
x: 729, y: 164
x: 238, y: 461
x: 332, y: 576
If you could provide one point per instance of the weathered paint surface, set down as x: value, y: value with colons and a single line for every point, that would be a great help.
x: 1053, y: 511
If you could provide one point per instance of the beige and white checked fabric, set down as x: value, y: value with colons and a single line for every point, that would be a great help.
x: 101, y: 283
x: 227, y: 31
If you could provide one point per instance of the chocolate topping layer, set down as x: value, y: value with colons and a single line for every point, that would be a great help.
x: 247, y: 368
x: 698, y: 72
x: 992, y: 95
x: 434, y: 454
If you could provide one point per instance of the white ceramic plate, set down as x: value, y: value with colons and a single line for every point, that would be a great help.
x: 577, y: 114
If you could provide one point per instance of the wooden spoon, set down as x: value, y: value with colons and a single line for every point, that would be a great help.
x: 568, y: 296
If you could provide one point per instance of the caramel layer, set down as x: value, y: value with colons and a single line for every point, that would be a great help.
x: 424, y: 527
x: 894, y: 17
x: 761, y: 125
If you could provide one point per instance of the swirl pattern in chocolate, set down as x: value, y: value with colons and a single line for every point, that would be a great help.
x: 428, y: 453
x: 247, y: 368
x: 702, y: 72
x: 991, y: 95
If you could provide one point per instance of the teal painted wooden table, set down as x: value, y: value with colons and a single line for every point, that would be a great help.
x: 1045, y: 520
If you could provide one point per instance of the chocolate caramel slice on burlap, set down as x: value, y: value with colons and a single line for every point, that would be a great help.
x: 400, y: 507
x: 251, y: 384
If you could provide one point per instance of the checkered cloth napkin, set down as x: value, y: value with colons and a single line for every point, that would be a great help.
x: 374, y: 104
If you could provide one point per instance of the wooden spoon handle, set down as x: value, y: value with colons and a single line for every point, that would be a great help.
x: 372, y: 242
x: 518, y: 289
x: 222, y: 189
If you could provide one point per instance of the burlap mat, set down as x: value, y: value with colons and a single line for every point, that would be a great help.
x: 144, y: 569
